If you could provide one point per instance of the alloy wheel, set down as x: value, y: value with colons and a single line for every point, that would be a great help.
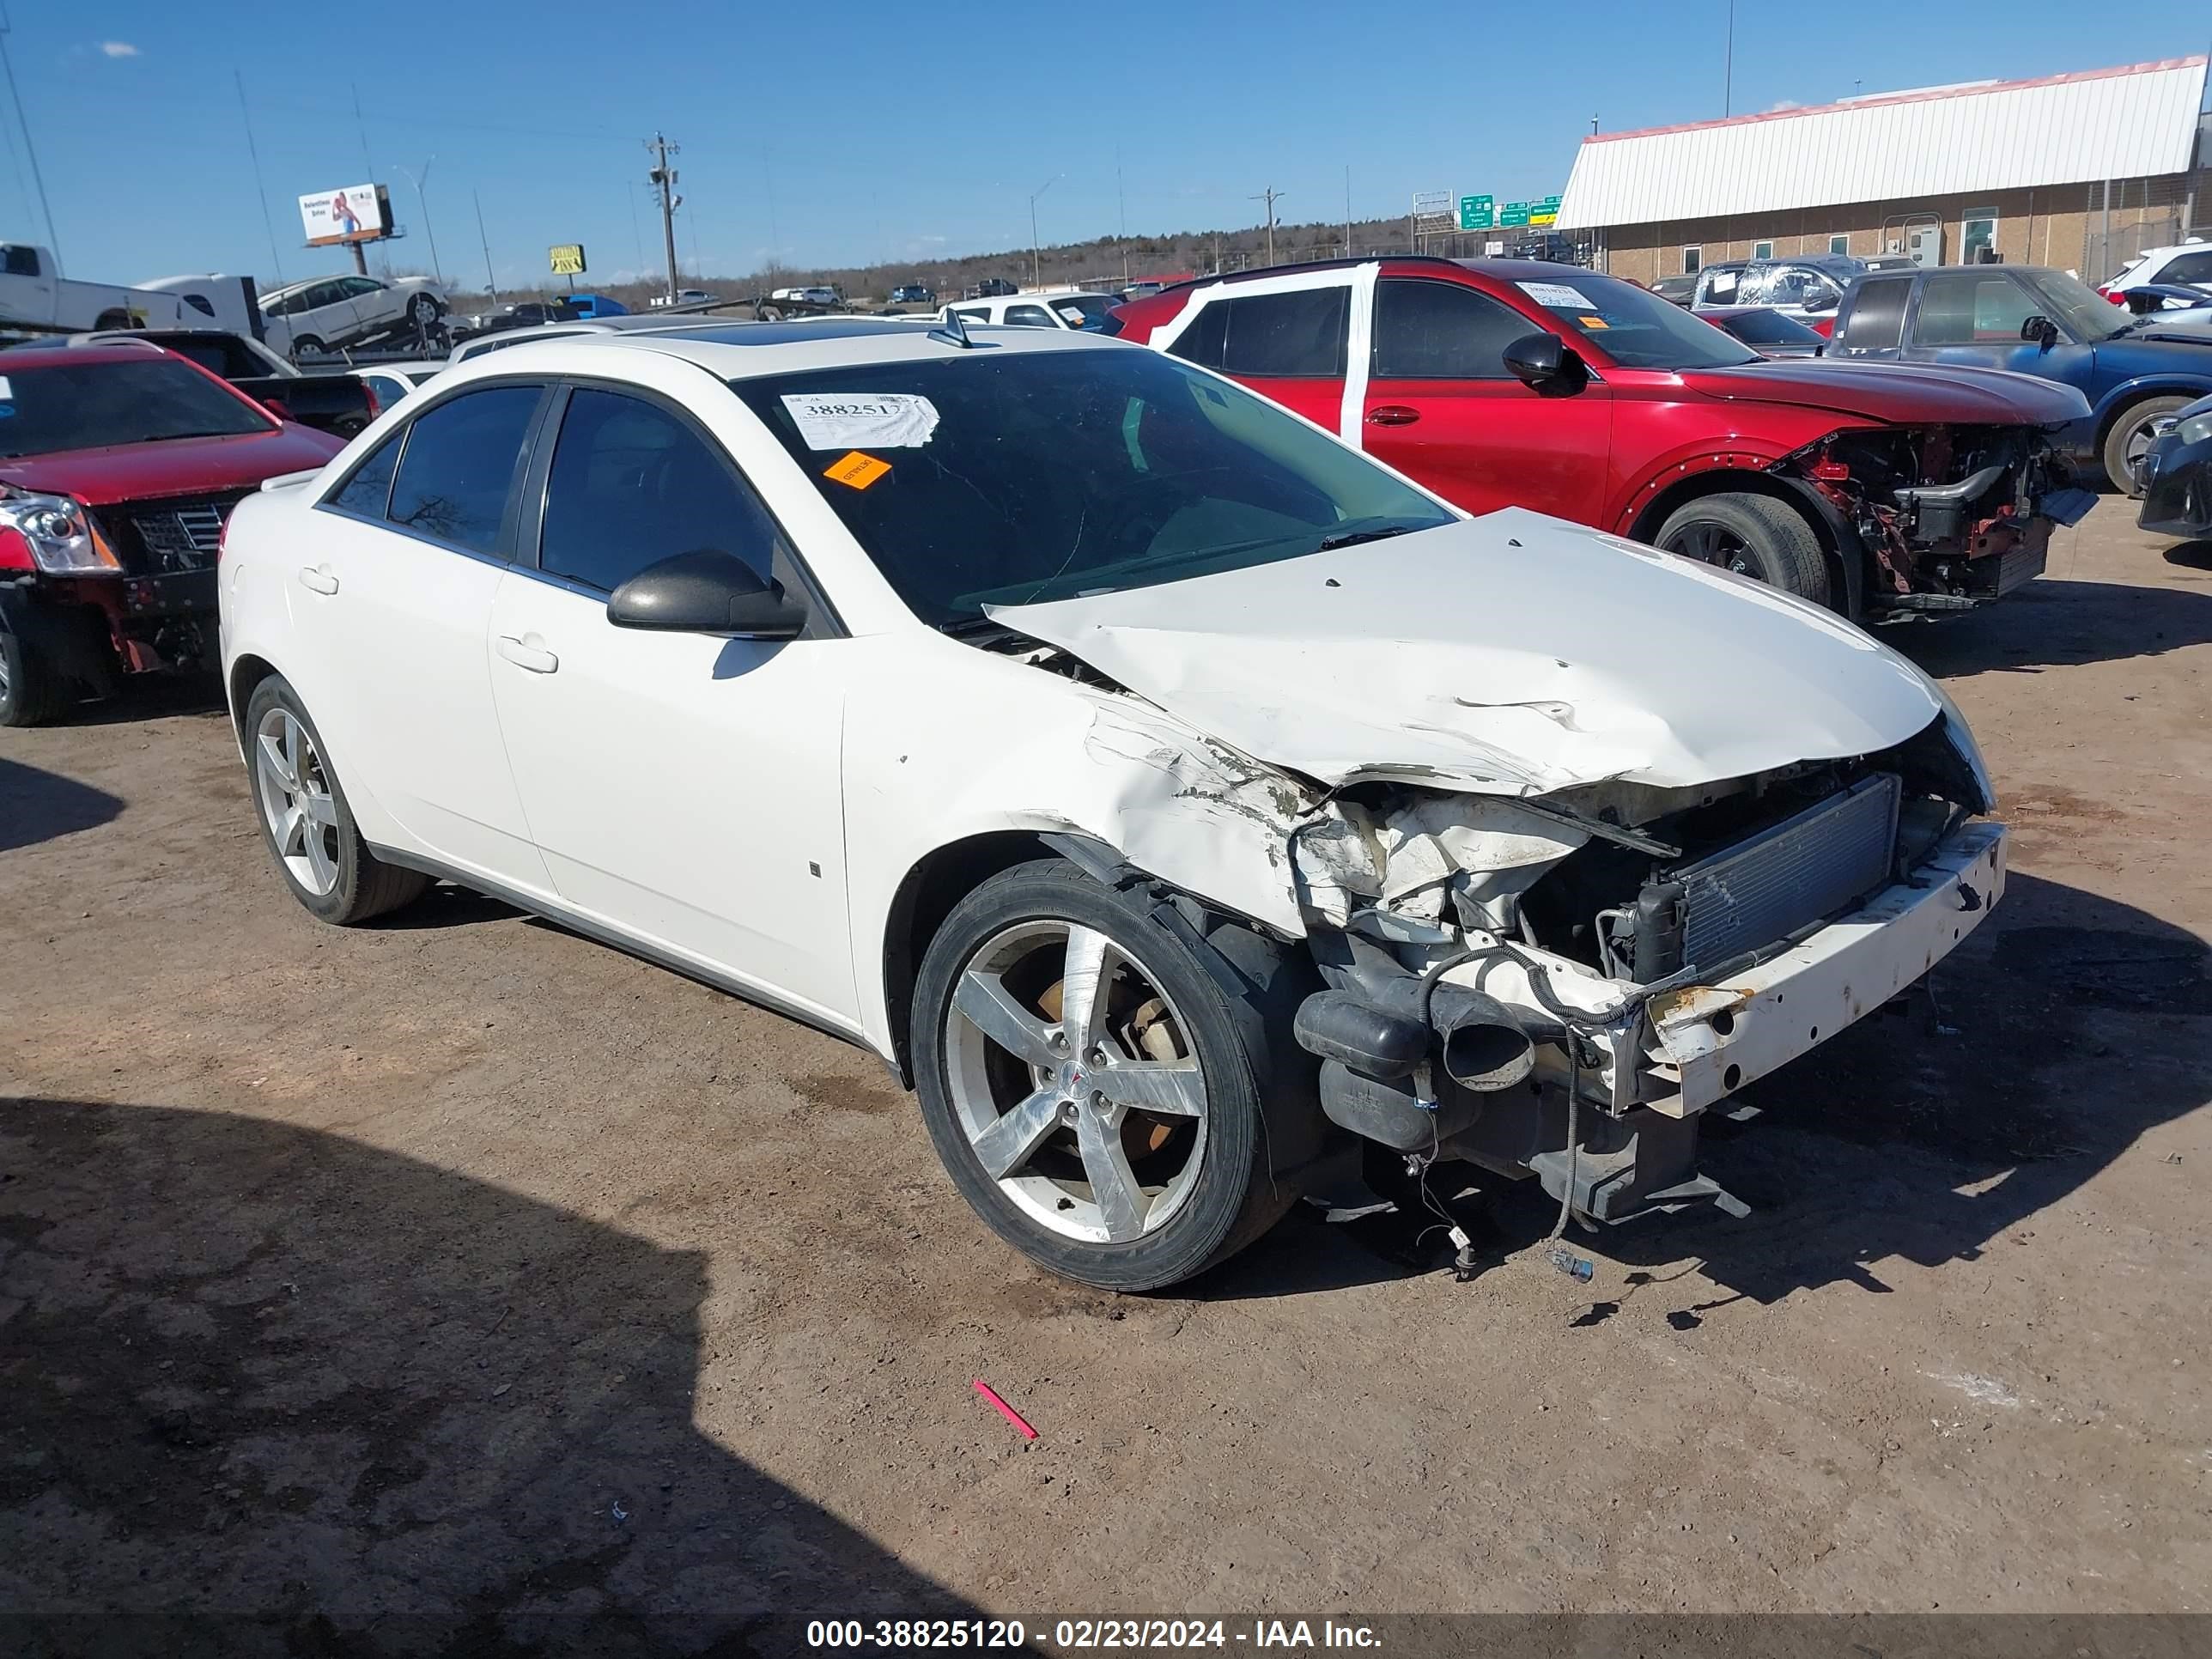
x: 1072, y: 1075
x: 296, y: 803
x: 1714, y: 544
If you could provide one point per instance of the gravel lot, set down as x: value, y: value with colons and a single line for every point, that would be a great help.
x: 457, y: 1280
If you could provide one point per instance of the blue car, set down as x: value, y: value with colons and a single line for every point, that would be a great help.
x: 2036, y: 321
x: 596, y: 304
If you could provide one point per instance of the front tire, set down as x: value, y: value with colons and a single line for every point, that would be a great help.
x: 422, y: 311
x: 305, y: 820
x: 2130, y: 436
x: 1088, y: 1083
x: 31, y: 693
x: 1753, y: 536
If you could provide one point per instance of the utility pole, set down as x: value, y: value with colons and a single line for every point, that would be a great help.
x: 1036, y: 258
x: 663, y: 179
x: 23, y: 120
x: 1269, y: 196
x: 1728, y: 64
x: 424, y: 201
x: 1347, y: 210
x: 1121, y: 203
x: 491, y: 277
x: 366, y: 160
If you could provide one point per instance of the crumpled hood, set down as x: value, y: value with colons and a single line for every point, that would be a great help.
x: 182, y: 466
x: 1901, y: 394
x: 1512, y: 655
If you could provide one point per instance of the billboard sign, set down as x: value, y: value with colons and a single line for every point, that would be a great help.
x: 1477, y: 212
x: 357, y: 213
x: 567, y: 259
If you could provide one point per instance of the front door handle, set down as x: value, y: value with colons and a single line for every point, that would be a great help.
x: 1392, y: 415
x: 317, y: 579
x: 535, y: 657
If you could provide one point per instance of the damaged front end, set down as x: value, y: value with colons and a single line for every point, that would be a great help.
x: 1949, y: 518
x: 1560, y: 986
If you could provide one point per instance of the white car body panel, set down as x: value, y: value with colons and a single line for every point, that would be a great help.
x: 1505, y: 678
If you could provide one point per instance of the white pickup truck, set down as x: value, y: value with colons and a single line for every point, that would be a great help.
x: 34, y: 297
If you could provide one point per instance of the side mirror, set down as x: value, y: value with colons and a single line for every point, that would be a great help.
x: 2039, y: 331
x: 1544, y: 360
x: 706, y: 592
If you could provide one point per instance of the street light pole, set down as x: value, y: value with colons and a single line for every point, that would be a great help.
x: 1270, y: 195
x: 662, y: 178
x: 23, y: 120
x: 491, y: 276
x: 1728, y: 64
x: 423, y: 201
x: 1036, y: 258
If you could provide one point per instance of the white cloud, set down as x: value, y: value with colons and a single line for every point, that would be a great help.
x: 1786, y: 103
x: 117, y: 49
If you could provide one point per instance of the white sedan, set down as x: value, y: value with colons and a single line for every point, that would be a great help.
x: 1172, y: 796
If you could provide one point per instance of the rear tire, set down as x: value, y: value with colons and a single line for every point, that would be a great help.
x: 1201, y: 1181
x: 31, y: 692
x: 320, y: 854
x: 2131, y: 435
x: 1754, y: 535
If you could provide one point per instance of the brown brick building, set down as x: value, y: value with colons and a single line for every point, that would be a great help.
x: 2077, y: 171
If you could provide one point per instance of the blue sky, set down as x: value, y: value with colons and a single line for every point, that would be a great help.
x: 879, y: 131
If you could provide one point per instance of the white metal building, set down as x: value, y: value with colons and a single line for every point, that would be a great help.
x: 2074, y: 170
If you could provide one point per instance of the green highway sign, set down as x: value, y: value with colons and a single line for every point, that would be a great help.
x: 1545, y: 212
x: 1515, y: 212
x: 1476, y: 213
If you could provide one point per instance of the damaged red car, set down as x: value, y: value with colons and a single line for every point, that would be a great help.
x: 1872, y: 489
x: 118, y: 467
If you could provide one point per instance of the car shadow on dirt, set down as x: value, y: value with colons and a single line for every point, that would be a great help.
x: 270, y: 1390
x: 151, y: 696
x: 2053, y: 623
x: 2192, y: 556
x: 2056, y: 1038
x: 36, y: 805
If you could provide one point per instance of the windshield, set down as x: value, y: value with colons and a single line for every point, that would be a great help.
x: 2076, y: 307
x: 996, y: 476
x: 1633, y: 325
x: 1082, y: 310
x: 87, y: 405
x: 1763, y: 327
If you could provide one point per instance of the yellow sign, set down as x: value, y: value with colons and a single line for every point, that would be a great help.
x: 568, y: 259
x: 857, y: 469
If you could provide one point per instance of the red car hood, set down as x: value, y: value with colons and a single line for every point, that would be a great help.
x: 179, y: 466
x: 1902, y: 394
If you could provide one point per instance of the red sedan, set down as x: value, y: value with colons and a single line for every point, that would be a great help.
x: 119, y: 466
x: 1500, y: 383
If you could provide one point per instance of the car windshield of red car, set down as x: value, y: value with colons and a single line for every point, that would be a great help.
x: 1633, y: 325
x: 94, y: 405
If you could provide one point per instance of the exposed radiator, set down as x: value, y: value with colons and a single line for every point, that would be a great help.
x: 1799, y: 871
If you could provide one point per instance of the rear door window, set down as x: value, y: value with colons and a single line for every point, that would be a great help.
x: 1877, y: 319
x: 459, y: 470
x: 1028, y: 317
x: 1963, y: 307
x: 1299, y: 334
x: 2189, y: 269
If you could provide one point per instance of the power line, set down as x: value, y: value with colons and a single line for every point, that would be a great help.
x: 269, y: 224
x: 23, y: 119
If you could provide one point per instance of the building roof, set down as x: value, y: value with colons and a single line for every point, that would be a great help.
x: 2128, y: 123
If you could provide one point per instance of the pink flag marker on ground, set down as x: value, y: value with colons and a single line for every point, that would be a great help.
x: 1004, y: 1410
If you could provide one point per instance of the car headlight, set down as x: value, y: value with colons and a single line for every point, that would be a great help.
x: 2196, y: 429
x: 59, y: 534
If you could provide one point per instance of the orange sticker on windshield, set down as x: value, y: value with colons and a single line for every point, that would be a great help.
x: 1591, y: 322
x: 858, y: 469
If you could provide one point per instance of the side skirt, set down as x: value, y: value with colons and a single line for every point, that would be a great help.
x: 600, y: 934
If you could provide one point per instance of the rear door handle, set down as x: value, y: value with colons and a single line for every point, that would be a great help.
x: 535, y: 657
x: 317, y: 579
x: 1392, y: 415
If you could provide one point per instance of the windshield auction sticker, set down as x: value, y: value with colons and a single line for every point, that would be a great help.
x: 1557, y: 296
x: 858, y: 471
x: 883, y: 420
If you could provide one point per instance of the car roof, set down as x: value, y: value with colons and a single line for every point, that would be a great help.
x: 20, y: 358
x: 745, y: 351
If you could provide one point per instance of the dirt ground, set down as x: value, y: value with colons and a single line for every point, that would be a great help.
x: 456, y: 1282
